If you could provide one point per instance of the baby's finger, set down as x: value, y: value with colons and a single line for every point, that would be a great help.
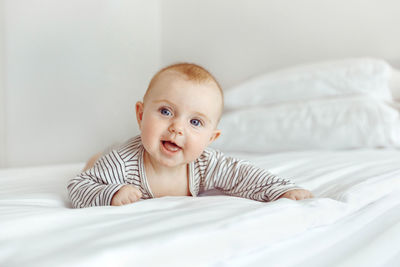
x: 300, y: 196
x: 125, y: 201
x: 307, y: 195
x: 116, y: 203
x: 303, y: 196
x: 133, y: 198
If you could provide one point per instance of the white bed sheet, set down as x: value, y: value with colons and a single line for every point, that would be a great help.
x: 354, y: 219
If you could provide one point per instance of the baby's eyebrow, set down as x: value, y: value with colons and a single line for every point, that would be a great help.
x: 161, y: 100
x: 165, y: 101
x: 204, y: 116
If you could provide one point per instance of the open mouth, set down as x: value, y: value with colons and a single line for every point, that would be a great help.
x: 170, y: 146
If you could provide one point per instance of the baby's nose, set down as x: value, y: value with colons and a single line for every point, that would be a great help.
x: 176, y: 128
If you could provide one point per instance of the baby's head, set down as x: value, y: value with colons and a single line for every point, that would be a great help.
x: 179, y: 114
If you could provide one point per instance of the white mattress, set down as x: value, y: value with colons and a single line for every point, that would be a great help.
x: 354, y: 219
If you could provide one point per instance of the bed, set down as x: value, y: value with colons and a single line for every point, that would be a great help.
x: 350, y: 162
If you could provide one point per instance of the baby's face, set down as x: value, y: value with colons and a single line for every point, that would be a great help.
x: 178, y: 119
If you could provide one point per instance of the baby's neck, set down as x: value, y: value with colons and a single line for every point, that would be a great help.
x: 159, y: 170
x: 167, y: 181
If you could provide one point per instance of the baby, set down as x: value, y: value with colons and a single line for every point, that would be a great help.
x: 177, y: 119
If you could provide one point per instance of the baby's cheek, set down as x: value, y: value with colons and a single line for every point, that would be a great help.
x: 148, y: 136
x: 148, y: 124
x: 150, y: 128
x: 196, y: 147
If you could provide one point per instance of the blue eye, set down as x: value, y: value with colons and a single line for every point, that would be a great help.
x: 195, y: 122
x: 165, y: 112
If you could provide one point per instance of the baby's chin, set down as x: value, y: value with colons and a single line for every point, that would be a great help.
x: 175, y: 162
x: 164, y: 161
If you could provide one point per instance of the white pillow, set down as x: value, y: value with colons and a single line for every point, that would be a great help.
x: 333, y: 78
x: 333, y: 123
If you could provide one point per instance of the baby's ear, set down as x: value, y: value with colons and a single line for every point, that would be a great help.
x: 215, y: 135
x: 139, y: 112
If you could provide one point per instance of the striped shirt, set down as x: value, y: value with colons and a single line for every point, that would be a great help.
x: 212, y: 170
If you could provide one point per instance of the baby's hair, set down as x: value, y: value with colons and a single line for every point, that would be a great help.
x: 191, y: 71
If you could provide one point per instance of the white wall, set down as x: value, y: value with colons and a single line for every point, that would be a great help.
x: 238, y: 39
x: 74, y: 72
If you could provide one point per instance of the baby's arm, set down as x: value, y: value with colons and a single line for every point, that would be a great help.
x: 125, y: 195
x: 240, y: 178
x: 98, y: 185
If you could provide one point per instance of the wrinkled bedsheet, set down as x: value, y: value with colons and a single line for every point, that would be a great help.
x: 353, y: 220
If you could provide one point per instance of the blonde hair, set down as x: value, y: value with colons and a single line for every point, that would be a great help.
x: 190, y: 71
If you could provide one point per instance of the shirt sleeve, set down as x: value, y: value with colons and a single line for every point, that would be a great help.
x: 242, y: 179
x: 97, y: 186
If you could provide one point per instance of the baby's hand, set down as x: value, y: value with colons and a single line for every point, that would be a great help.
x: 297, y: 194
x: 126, y: 195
